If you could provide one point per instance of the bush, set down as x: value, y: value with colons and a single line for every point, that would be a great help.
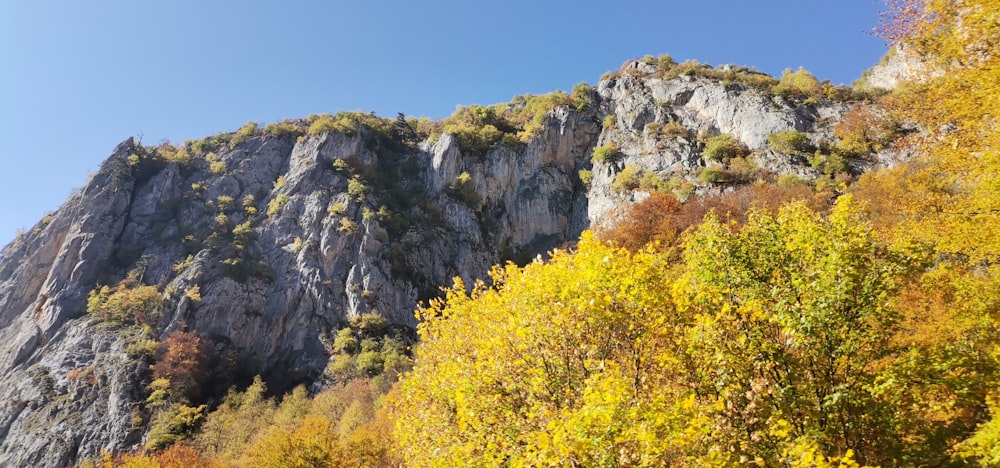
x: 336, y: 209
x: 284, y: 129
x: 277, y: 204
x: 193, y: 293
x: 181, y: 157
x: 475, y: 127
x: 248, y: 206
x: 347, y: 226
x: 713, y: 174
x: 626, y: 180
x: 789, y: 142
x: 654, y: 183
x: 217, y: 167
x: 370, y: 324
x: 243, y: 233
x: 864, y: 131
x: 342, y: 367
x: 184, y: 363
x: 789, y: 181
x: 665, y: 62
x: 828, y: 164
x: 356, y: 188
x: 646, y: 221
x: 323, y: 124
x: 224, y: 203
x: 130, y: 302
x: 690, y: 67
x: 606, y: 153
x: 345, y: 341
x: 581, y: 96
x: 742, y: 170
x: 723, y: 147
x: 369, y: 363
x: 609, y: 121
x: 248, y: 130
x: 586, y: 176
x: 370, y: 344
x: 675, y: 129
x: 143, y: 349
x: 173, y: 424
x: 797, y: 83
x: 465, y: 190
x: 344, y: 122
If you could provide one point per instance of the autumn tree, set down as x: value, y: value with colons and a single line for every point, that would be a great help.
x: 312, y: 444
x: 228, y: 430
x: 184, y: 363
x: 661, y: 218
x: 864, y: 130
x: 647, y: 221
x: 553, y: 364
x: 127, y: 303
x: 792, y: 317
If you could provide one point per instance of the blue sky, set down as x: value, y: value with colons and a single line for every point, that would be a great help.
x: 76, y: 78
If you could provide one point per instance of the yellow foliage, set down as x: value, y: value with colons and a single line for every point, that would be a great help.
x: 312, y: 444
x: 959, y: 110
x: 130, y: 302
x: 193, y: 293
x: 502, y: 371
x: 799, y: 82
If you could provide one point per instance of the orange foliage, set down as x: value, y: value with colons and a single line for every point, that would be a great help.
x: 863, y: 130
x: 662, y: 218
x: 176, y: 456
x: 184, y: 362
x: 647, y: 221
x: 185, y: 456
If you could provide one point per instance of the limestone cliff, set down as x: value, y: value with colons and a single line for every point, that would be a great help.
x: 286, y: 237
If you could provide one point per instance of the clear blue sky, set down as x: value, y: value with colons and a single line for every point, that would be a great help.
x: 76, y: 78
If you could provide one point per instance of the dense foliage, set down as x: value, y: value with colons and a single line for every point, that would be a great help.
x: 762, y: 344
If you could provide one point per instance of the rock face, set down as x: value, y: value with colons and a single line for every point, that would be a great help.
x: 899, y: 64
x: 286, y: 238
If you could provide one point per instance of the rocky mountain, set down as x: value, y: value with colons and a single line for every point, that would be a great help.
x: 264, y: 242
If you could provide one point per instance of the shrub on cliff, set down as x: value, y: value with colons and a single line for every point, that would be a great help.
x: 128, y: 303
x: 723, y: 147
x: 605, y: 153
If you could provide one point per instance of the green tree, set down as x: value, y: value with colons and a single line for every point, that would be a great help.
x: 792, y: 318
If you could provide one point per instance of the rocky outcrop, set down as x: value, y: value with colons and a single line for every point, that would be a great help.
x: 642, y: 105
x: 285, y: 238
x: 899, y: 64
